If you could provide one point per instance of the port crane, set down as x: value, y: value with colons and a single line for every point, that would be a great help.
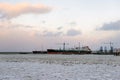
x: 111, y: 46
x: 64, y: 45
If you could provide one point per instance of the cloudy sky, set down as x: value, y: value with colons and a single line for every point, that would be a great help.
x: 27, y: 25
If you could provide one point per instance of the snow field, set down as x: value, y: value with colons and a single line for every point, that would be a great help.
x: 62, y: 59
x: 59, y: 67
x: 37, y: 71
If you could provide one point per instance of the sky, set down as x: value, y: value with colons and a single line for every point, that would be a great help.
x: 27, y: 25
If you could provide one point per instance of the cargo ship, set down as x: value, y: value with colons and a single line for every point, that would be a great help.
x: 77, y: 50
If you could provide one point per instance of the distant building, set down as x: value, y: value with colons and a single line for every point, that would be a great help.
x: 116, y: 51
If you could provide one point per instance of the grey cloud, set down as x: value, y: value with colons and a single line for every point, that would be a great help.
x: 47, y: 33
x: 43, y: 22
x: 2, y: 16
x: 111, y: 26
x: 59, y: 28
x: 50, y: 34
x: 73, y: 32
x: 19, y: 25
x: 8, y: 24
x: 73, y: 23
x: 58, y: 33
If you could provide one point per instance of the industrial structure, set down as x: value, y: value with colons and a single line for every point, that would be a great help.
x: 77, y: 50
x: 82, y: 50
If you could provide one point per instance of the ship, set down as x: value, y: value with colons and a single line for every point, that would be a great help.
x: 77, y: 50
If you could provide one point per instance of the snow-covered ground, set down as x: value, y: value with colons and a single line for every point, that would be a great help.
x: 59, y: 67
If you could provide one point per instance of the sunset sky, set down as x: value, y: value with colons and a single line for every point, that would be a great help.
x: 27, y: 25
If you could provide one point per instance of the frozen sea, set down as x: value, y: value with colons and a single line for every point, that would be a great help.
x: 59, y: 67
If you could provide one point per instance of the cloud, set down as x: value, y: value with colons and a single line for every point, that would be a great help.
x: 9, y: 25
x: 111, y: 26
x: 73, y: 32
x: 73, y: 23
x: 8, y: 10
x: 47, y: 33
x: 50, y: 34
x: 59, y: 28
